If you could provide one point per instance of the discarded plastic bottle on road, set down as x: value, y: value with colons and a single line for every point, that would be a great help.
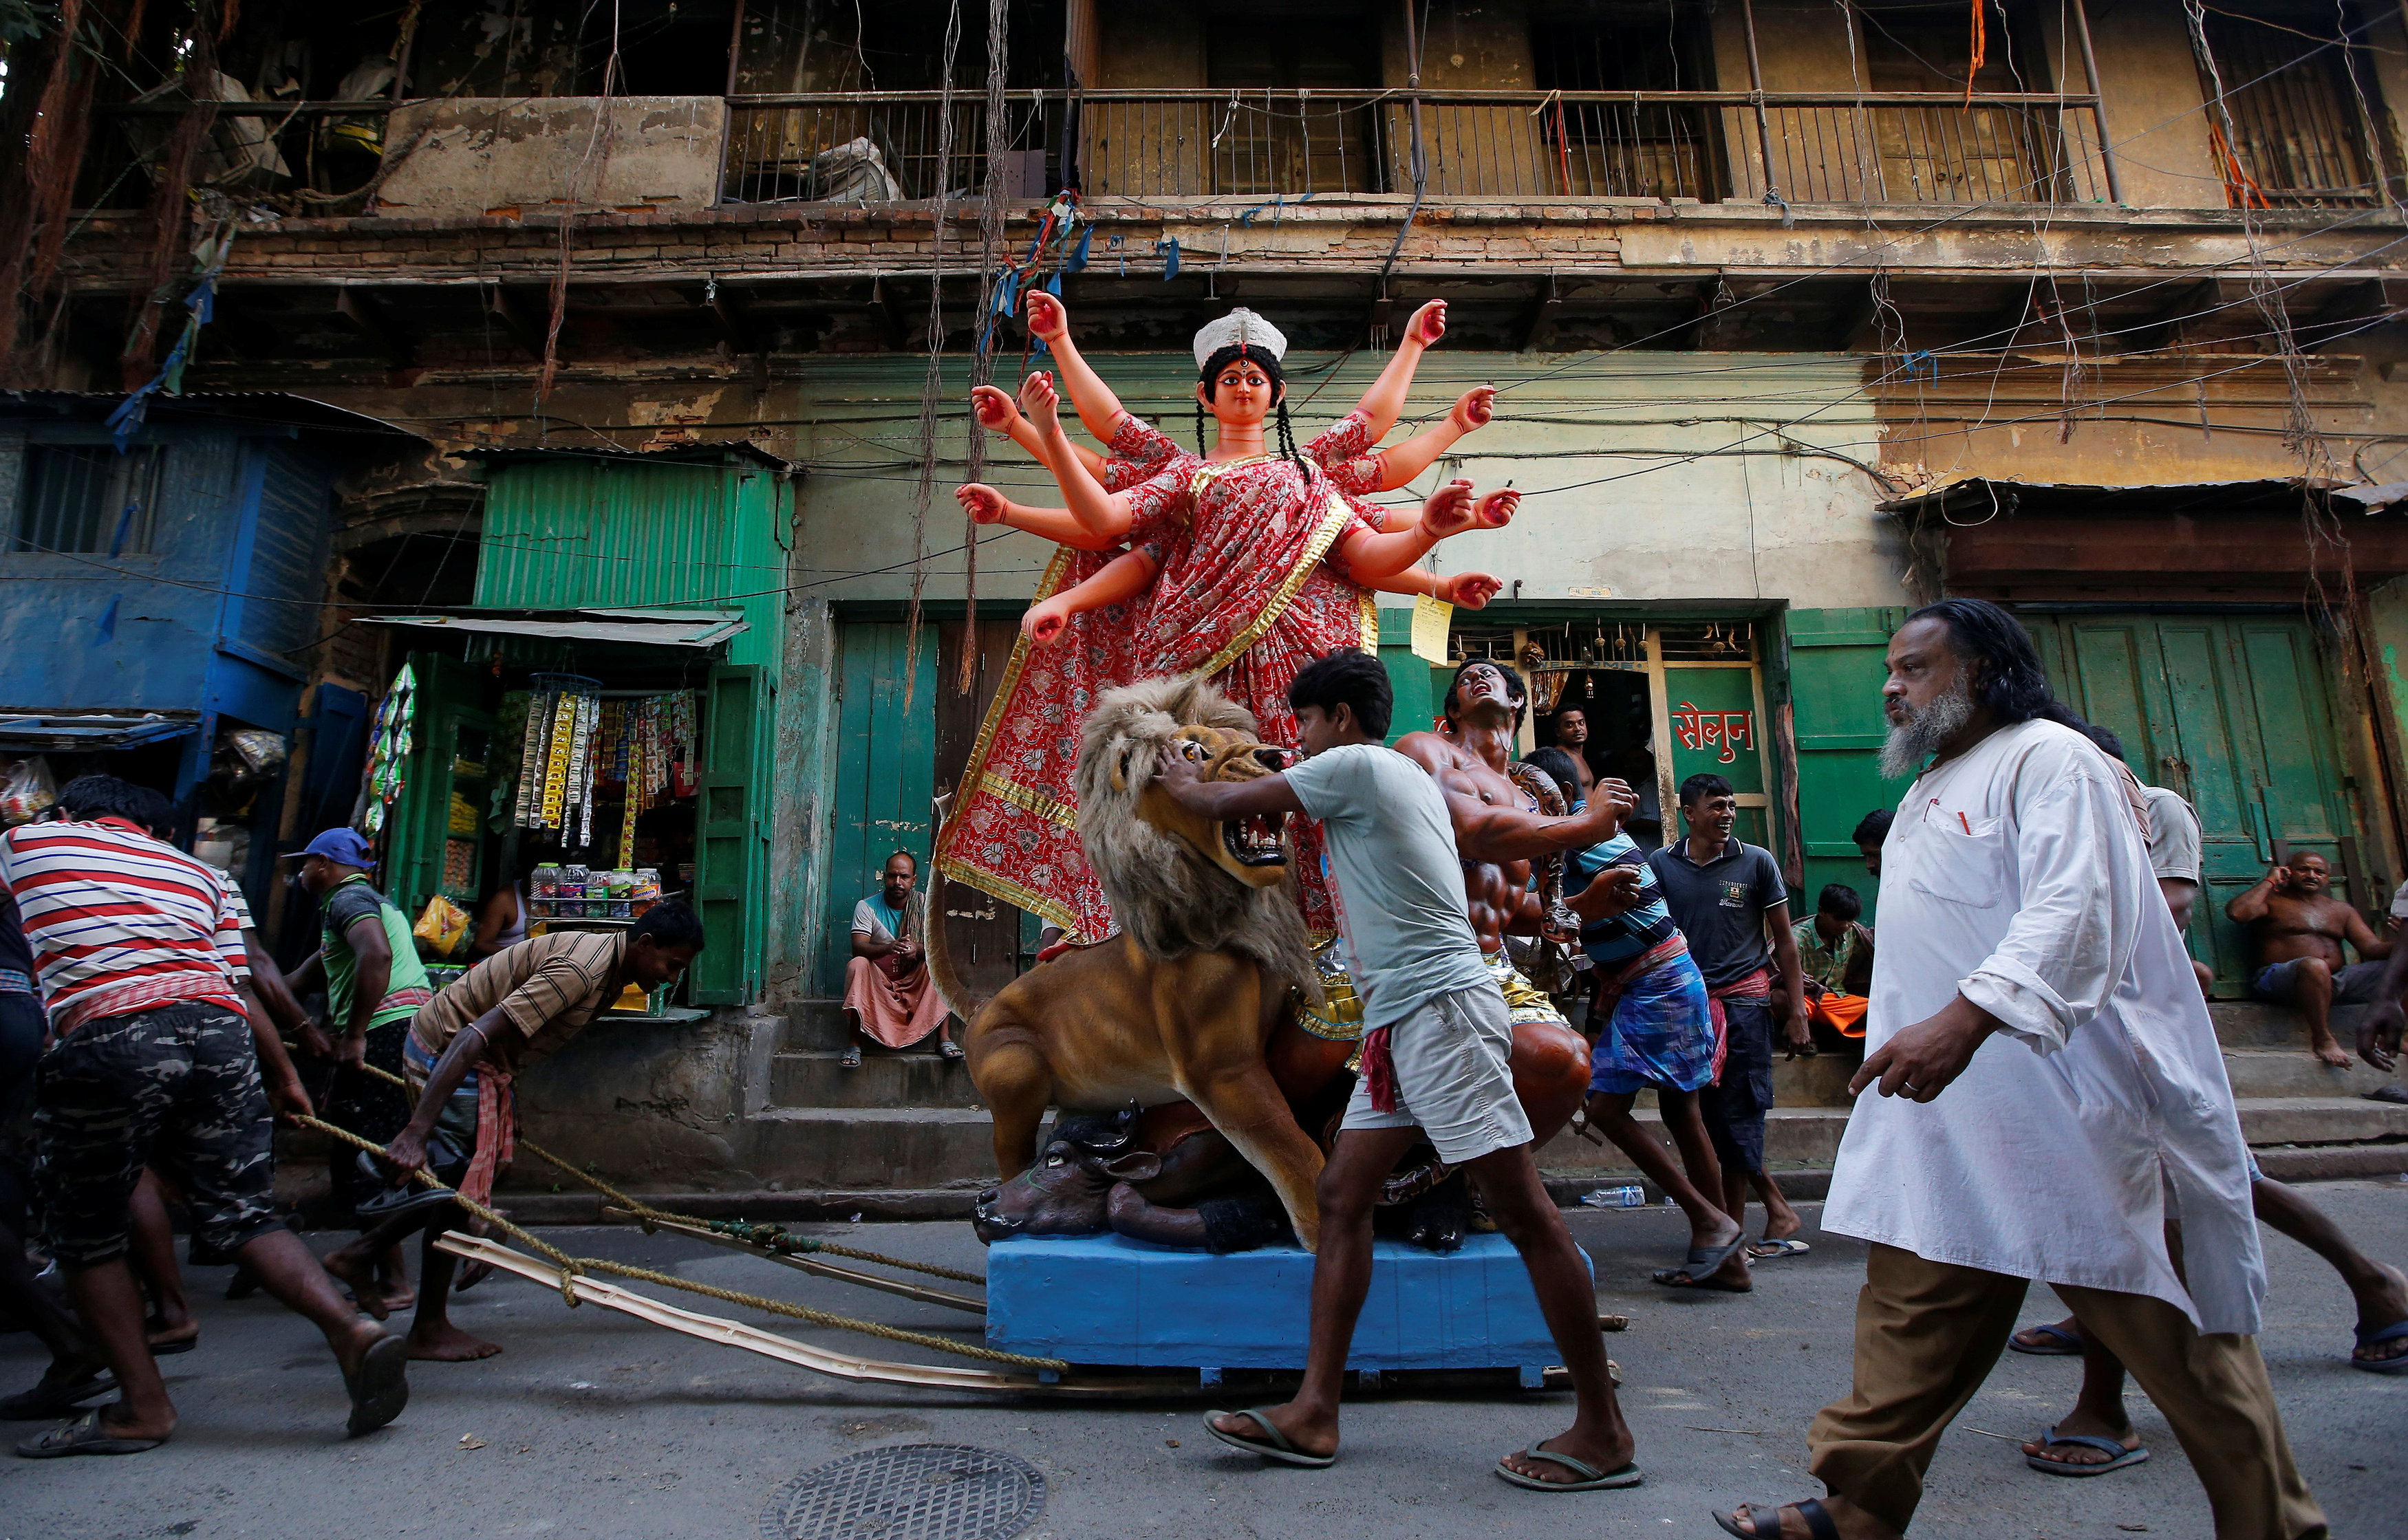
x: 1630, y: 1195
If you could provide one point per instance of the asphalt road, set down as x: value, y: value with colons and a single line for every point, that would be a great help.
x: 593, y: 1424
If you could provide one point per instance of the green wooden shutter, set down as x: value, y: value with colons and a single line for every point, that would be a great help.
x: 731, y: 837
x: 885, y: 774
x: 1836, y: 672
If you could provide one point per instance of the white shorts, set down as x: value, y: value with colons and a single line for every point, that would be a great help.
x: 1452, y: 1079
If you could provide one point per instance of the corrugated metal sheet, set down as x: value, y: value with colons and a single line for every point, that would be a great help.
x: 570, y: 531
x: 287, y: 555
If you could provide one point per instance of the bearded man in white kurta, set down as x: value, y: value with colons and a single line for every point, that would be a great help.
x: 2051, y: 1097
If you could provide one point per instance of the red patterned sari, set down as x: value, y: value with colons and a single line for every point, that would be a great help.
x: 1247, y: 591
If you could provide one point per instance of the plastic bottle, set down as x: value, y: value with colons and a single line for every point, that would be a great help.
x: 1629, y: 1195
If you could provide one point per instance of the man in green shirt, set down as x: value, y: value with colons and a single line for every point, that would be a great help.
x: 369, y: 963
x: 1834, y: 956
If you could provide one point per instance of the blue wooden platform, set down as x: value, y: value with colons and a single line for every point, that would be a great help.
x: 1109, y: 1300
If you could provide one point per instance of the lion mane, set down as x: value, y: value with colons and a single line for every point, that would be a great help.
x: 1169, y: 899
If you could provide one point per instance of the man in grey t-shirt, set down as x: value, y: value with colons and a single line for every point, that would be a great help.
x: 1431, y: 999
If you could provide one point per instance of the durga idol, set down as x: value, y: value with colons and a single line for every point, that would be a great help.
x: 1241, y: 565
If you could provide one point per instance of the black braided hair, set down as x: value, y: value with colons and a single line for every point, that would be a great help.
x: 1221, y: 360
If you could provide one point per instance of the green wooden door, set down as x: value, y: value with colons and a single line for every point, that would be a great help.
x: 2233, y: 712
x: 885, y: 774
x: 731, y: 846
x: 1714, y: 728
x: 1836, y: 670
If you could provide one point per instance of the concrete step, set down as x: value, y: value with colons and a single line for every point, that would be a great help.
x: 814, y: 1024
x: 2295, y: 1072
x: 870, y: 1148
x: 915, y: 1077
x: 2256, y: 1024
x: 1799, y: 1135
x: 2320, y: 1121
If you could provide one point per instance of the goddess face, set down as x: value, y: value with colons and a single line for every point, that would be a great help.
x: 1241, y: 394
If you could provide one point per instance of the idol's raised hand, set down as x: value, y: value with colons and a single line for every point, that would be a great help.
x: 994, y: 409
x: 1428, y: 324
x: 1036, y: 398
x: 1467, y: 589
x: 1048, y: 319
x: 982, y: 503
x: 1495, y: 511
x: 1475, y: 409
x: 1448, y: 511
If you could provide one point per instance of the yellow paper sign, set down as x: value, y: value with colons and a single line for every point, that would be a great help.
x: 1431, y: 618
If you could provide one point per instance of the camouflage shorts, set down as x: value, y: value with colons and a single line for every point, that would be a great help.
x: 177, y: 1088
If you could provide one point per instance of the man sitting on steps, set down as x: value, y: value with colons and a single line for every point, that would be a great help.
x: 2300, y: 928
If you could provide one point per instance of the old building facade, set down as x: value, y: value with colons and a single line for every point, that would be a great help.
x: 1800, y: 312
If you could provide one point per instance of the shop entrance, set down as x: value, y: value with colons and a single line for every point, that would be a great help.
x: 1662, y: 701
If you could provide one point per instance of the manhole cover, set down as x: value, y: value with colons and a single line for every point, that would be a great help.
x: 909, y: 1491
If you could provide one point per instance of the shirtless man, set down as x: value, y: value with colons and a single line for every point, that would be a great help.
x: 1499, y: 829
x: 1572, y: 737
x: 2300, y: 927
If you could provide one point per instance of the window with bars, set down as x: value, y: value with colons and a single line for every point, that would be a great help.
x: 88, y: 499
x: 1659, y: 149
x: 2301, y: 103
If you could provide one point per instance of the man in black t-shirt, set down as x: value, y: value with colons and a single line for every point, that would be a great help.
x: 1729, y: 899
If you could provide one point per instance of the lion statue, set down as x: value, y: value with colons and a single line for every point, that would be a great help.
x: 1200, y: 1030
x: 1183, y: 1001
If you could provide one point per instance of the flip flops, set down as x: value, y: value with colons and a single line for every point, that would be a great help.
x: 1273, y: 1445
x: 379, y: 1388
x: 1773, y: 1250
x: 2060, y: 1342
x: 83, y: 1436
x: 166, y: 1347
x: 2397, y: 1364
x: 1591, y: 1479
x: 1697, y: 1268
x: 2117, y: 1456
x: 1817, y: 1518
x: 948, y: 1049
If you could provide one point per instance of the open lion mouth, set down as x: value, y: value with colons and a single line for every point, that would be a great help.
x: 1257, y: 839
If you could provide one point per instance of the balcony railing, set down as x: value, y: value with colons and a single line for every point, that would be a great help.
x: 1884, y: 147
x: 882, y: 147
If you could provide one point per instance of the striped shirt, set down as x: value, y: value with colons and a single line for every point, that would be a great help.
x: 122, y: 922
x: 547, y: 988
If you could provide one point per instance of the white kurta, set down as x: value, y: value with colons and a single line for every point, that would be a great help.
x: 2014, y: 874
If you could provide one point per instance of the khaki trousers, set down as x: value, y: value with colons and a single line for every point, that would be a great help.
x: 1928, y: 1332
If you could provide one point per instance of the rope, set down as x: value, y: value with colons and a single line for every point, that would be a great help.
x: 756, y: 1234
x: 570, y: 1266
x: 771, y: 1237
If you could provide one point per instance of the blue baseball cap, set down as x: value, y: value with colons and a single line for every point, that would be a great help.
x: 345, y: 847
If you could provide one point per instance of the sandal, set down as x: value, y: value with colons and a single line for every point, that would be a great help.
x: 1788, y: 1246
x: 1273, y: 1445
x: 164, y: 1345
x: 2056, y: 1342
x: 379, y: 1388
x: 2117, y: 1455
x: 852, y: 1059
x: 2396, y: 1364
x: 1698, y: 1266
x: 84, y: 1435
x: 1818, y: 1520
x: 1590, y: 1477
x: 948, y: 1049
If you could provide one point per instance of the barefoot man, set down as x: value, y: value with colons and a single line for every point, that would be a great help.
x: 2050, y: 1101
x: 1436, y: 1041
x: 465, y: 1046
x: 2299, y: 926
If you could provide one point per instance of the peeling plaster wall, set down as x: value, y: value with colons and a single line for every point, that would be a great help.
x: 501, y: 156
x: 651, y: 1104
x: 1767, y: 526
